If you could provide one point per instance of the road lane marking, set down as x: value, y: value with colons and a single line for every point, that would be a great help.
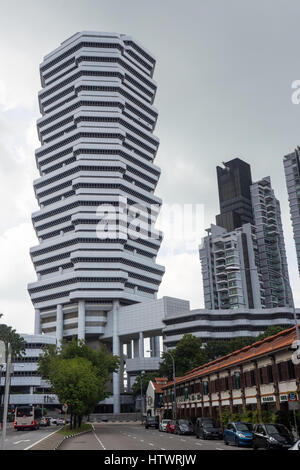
x: 98, y: 438
x: 150, y: 444
x: 37, y: 442
x: 22, y: 440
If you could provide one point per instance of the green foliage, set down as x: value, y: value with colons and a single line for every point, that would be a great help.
x: 187, y: 355
x: 10, y: 336
x: 142, y: 380
x: 270, y: 331
x: 78, y: 374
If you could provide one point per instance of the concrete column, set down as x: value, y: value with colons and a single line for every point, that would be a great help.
x: 121, y: 368
x: 136, y: 348
x: 129, y: 350
x: 81, y: 320
x: 59, y: 325
x: 116, y: 352
x: 37, y: 322
x: 155, y: 346
x: 141, y: 345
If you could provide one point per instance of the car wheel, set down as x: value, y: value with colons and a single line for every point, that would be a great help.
x: 236, y: 442
x: 225, y: 441
x: 197, y: 437
x: 254, y: 447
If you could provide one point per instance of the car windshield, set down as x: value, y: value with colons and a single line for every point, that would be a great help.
x: 243, y: 427
x: 276, y: 429
x: 209, y: 425
x: 165, y: 421
x: 183, y: 421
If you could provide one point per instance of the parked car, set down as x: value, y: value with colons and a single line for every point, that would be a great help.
x: 152, y: 422
x: 296, y: 446
x: 60, y: 422
x: 163, y: 425
x: 183, y: 426
x: 208, y: 430
x: 171, y: 427
x: 272, y: 436
x: 53, y: 420
x: 238, y: 434
x: 104, y: 419
x: 44, y: 422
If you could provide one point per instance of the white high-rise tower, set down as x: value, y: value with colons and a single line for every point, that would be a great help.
x: 96, y: 157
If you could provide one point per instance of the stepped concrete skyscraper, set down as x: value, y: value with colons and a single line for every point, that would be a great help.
x: 96, y: 163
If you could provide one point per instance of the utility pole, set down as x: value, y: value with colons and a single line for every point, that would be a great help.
x: 6, y: 397
x: 174, y: 384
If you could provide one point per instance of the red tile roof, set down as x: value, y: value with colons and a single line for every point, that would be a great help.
x: 158, y: 382
x: 283, y: 339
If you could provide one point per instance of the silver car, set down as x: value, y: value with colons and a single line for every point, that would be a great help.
x: 163, y: 425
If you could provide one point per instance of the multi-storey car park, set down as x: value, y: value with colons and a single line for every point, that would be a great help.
x: 96, y: 158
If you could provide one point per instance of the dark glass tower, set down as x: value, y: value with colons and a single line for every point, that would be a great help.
x: 234, y: 181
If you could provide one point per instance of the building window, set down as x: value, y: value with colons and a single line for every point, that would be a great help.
x: 205, y: 387
x: 237, y: 380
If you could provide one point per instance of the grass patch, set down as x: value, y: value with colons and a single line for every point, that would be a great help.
x: 66, y: 431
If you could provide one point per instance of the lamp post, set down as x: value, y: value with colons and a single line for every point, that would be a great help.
x: 142, y: 401
x: 237, y: 268
x: 174, y: 377
x: 6, y: 396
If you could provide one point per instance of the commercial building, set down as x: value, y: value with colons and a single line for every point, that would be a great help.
x: 26, y: 385
x: 224, y: 324
x: 243, y: 257
x: 234, y: 181
x: 262, y: 376
x: 292, y: 176
x: 97, y: 245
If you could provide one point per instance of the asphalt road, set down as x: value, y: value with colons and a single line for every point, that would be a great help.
x: 20, y: 440
x: 127, y: 436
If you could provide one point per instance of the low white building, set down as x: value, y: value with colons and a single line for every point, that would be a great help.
x: 26, y: 386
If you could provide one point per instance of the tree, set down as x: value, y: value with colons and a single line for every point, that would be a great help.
x: 142, y: 380
x: 76, y: 383
x: 187, y: 355
x: 221, y: 347
x: 270, y: 331
x: 9, y: 336
x: 60, y: 365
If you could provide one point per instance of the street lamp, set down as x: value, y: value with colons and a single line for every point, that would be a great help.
x: 237, y: 268
x: 174, y: 377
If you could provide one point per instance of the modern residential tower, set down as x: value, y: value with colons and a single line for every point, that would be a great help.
x: 243, y: 257
x: 292, y: 175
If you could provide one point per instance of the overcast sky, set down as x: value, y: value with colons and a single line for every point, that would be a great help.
x: 224, y: 73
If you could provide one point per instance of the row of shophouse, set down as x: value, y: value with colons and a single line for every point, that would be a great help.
x: 262, y: 376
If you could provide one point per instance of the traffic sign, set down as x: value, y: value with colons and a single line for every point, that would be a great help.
x: 292, y: 396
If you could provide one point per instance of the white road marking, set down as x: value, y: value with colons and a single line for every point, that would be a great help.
x: 22, y: 440
x: 183, y: 440
x: 37, y: 442
x: 98, y: 438
x: 150, y: 444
